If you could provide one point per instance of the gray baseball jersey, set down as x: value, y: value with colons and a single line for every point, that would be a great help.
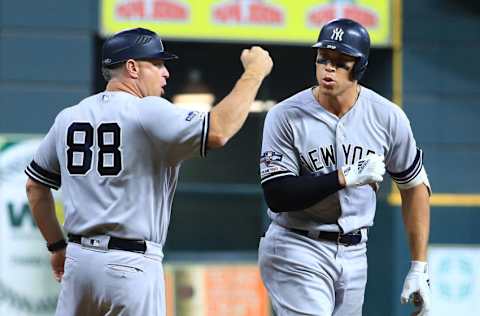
x: 300, y: 137
x: 117, y: 157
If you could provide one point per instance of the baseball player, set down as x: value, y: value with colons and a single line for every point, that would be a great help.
x: 116, y: 156
x: 324, y: 152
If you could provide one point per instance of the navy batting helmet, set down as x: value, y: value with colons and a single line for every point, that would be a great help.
x: 349, y: 38
x: 136, y: 43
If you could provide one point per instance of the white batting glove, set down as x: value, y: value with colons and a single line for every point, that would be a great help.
x: 416, y: 288
x: 367, y: 171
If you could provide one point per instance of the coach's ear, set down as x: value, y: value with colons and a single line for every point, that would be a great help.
x: 132, y: 69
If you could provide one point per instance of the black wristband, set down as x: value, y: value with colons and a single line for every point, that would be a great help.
x: 58, y: 245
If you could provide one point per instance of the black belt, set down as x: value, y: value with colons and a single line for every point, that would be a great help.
x: 134, y: 245
x: 350, y: 239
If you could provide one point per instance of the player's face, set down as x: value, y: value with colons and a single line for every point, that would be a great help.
x: 334, y: 71
x: 153, y: 77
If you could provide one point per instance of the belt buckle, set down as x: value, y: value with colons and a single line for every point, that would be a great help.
x: 355, y: 238
x: 339, y: 239
x: 346, y: 243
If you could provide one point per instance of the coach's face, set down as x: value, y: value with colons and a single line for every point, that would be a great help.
x: 333, y: 71
x: 153, y: 75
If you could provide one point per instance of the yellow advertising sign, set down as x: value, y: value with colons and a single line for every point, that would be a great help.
x: 277, y: 21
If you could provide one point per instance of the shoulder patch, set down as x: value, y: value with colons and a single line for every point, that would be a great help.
x: 270, y: 156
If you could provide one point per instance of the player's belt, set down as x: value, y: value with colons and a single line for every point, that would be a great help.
x: 133, y: 245
x: 350, y: 239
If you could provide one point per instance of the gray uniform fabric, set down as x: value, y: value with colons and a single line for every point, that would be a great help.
x: 301, y: 137
x: 122, y: 283
x: 305, y: 276
x: 117, y: 158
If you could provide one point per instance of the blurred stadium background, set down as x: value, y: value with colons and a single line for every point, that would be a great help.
x: 424, y: 58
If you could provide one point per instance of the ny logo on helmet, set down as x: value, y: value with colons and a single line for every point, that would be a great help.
x: 337, y: 34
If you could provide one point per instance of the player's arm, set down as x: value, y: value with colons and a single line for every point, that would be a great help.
x: 416, y: 218
x: 405, y: 165
x: 228, y: 116
x: 296, y: 193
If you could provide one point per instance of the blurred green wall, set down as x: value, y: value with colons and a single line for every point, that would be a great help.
x: 46, y: 58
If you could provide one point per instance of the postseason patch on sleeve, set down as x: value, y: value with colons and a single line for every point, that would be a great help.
x: 271, y: 170
x: 270, y: 156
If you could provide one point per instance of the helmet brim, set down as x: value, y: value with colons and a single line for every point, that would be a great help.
x: 341, y: 47
x: 162, y: 55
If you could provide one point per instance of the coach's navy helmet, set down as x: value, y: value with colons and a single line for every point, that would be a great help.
x: 138, y: 43
x: 349, y: 38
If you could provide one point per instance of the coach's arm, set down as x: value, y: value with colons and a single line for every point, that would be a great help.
x: 43, y: 210
x: 228, y: 116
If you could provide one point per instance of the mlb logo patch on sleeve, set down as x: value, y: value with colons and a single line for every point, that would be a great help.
x: 270, y: 156
x: 191, y: 115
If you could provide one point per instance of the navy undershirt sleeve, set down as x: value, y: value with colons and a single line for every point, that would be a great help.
x: 291, y: 193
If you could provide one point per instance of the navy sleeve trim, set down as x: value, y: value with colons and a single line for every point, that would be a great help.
x: 413, y: 176
x: 411, y: 172
x: 45, y: 173
x: 204, y: 136
x: 276, y: 175
x: 41, y: 182
x: 37, y: 173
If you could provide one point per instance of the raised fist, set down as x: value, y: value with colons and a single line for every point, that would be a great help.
x: 256, y: 61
